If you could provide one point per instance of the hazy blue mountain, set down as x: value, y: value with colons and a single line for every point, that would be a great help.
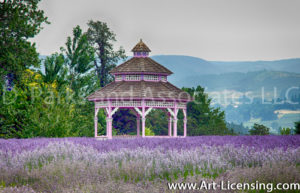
x: 239, y: 76
x: 184, y: 67
x: 187, y: 64
x: 250, y: 81
x: 286, y: 65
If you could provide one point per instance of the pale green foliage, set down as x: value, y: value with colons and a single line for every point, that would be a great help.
x: 149, y: 131
x: 40, y: 109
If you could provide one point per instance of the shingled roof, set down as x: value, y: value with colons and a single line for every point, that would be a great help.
x: 140, y: 89
x: 140, y: 47
x: 136, y: 64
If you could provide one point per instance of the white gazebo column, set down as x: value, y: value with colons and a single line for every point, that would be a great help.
x: 175, y: 121
x: 143, y: 118
x: 108, y: 122
x: 169, y: 125
x: 175, y: 127
x: 143, y: 114
x: 96, y: 121
x: 109, y: 119
x: 184, y: 122
x: 174, y: 114
x: 109, y: 127
x: 143, y: 126
x: 138, y: 123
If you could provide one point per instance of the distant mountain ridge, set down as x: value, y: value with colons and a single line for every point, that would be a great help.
x: 240, y: 76
x: 285, y: 65
x: 181, y: 62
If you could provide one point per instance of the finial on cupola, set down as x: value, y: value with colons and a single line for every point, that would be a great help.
x: 141, y: 50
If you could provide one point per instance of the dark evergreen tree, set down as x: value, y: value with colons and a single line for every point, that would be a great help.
x: 202, y: 118
x: 158, y: 121
x: 258, y: 129
x: 297, y: 127
x: 102, y: 39
x: 124, y: 121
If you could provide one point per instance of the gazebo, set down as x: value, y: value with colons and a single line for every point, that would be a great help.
x: 141, y: 84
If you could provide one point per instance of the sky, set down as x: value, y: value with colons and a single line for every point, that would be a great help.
x: 224, y: 30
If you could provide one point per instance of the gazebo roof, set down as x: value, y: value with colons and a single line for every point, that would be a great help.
x: 141, y: 64
x: 154, y: 86
x: 140, y: 90
x: 141, y: 47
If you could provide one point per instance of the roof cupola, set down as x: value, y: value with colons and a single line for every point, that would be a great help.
x: 141, y: 50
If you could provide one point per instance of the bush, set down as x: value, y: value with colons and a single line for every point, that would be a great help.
x: 285, y: 131
x: 149, y: 132
x: 258, y: 129
x: 39, y: 109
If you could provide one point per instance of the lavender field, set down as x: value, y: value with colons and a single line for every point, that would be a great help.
x: 144, y: 165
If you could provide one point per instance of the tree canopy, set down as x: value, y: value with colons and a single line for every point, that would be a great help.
x: 19, y: 21
x: 203, y: 119
x: 259, y: 129
x: 102, y: 38
x: 79, y: 55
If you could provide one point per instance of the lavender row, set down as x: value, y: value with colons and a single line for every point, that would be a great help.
x: 257, y: 142
x: 210, y: 160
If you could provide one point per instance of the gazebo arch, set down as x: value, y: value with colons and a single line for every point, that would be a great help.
x: 140, y: 84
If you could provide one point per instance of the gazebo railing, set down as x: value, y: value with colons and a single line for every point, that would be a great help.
x: 126, y: 103
x: 138, y: 103
x: 159, y: 104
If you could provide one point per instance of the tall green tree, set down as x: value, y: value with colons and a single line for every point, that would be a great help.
x: 19, y: 21
x: 202, y: 118
x: 102, y: 39
x: 79, y: 60
x: 158, y: 121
